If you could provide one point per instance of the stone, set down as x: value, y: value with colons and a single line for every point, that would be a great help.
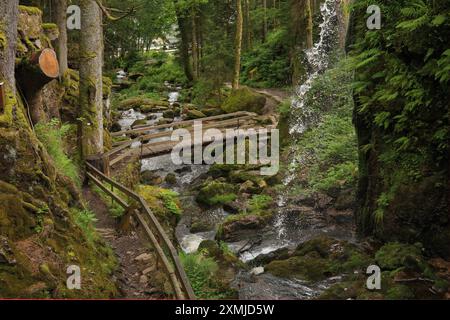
x: 340, y: 216
x: 143, y: 279
x: 247, y: 186
x: 149, y: 270
x: 144, y: 257
x: 323, y: 201
x: 192, y: 114
x: 257, y: 271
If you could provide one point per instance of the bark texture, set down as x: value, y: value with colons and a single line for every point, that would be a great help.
x: 61, y: 21
x: 238, y: 45
x: 91, y: 91
x: 8, y: 38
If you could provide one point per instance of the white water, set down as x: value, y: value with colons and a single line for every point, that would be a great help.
x: 317, y: 60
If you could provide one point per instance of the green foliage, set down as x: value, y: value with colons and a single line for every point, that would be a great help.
x: 52, y: 136
x: 244, y: 99
x: 402, y: 75
x: 85, y: 220
x: 201, y: 271
x: 268, y: 65
x: 115, y: 210
x: 170, y: 200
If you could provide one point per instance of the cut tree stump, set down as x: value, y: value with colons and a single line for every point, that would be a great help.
x: 33, y: 74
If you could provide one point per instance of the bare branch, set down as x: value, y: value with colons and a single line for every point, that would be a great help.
x: 111, y: 17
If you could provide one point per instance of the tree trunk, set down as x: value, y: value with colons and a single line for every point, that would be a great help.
x: 265, y: 28
x: 60, y: 9
x: 194, y: 46
x: 91, y: 103
x: 184, y: 45
x: 309, y: 25
x: 238, y: 45
x: 9, y: 13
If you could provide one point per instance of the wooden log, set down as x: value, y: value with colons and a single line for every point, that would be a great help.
x: 33, y: 74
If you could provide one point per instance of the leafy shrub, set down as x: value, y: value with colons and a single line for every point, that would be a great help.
x: 244, y: 99
x: 52, y: 136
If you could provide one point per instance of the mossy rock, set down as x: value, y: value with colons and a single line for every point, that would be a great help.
x: 171, y: 179
x: 395, y: 255
x: 192, y: 114
x: 200, y: 226
x: 244, y: 99
x: 139, y: 122
x: 215, y: 193
x: 400, y: 292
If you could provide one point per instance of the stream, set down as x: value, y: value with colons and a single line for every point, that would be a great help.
x: 287, y: 229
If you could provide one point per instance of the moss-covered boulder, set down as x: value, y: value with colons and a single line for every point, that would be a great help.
x: 244, y: 99
x: 192, y: 114
x: 216, y: 193
x: 320, y: 258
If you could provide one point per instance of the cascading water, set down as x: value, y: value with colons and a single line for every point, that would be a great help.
x: 317, y: 60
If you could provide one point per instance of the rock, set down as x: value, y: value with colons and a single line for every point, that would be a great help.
x: 234, y: 207
x: 212, y: 112
x: 143, y: 279
x: 183, y: 170
x: 323, y: 201
x: 303, y: 199
x: 264, y: 259
x: 151, y: 117
x: 192, y: 114
x: 149, y: 270
x: 150, y: 178
x: 164, y: 121
x: 247, y: 187
x: 200, y: 226
x: 231, y: 230
x: 171, y: 178
x: 139, y: 122
x: 116, y: 127
x: 340, y: 216
x: 211, y: 247
x: 169, y: 114
x: 345, y: 200
x: 144, y: 257
x: 257, y: 271
x: 244, y: 99
x: 6, y: 253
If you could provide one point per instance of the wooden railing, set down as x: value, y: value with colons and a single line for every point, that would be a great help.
x: 164, y: 248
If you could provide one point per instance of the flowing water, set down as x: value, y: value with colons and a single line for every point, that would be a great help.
x: 287, y: 229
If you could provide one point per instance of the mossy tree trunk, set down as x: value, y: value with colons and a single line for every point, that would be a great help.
x: 184, y: 47
x: 195, y: 63
x: 91, y: 91
x: 238, y: 45
x: 8, y: 38
x: 60, y: 18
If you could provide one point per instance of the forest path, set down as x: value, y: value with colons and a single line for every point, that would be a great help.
x: 136, y: 264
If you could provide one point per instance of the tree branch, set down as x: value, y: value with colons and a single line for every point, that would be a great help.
x: 111, y: 17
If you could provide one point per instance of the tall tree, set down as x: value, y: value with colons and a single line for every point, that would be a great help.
x: 184, y: 43
x: 238, y: 45
x: 60, y: 18
x: 8, y: 39
x: 91, y: 91
x: 195, y: 62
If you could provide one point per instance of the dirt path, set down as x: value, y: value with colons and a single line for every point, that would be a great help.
x: 136, y: 263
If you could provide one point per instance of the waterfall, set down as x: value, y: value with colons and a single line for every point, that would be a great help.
x: 317, y: 61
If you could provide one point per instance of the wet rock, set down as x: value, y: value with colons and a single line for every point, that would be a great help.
x: 164, y: 121
x: 235, y: 230
x: 211, y: 247
x: 234, y: 207
x: 257, y: 271
x: 139, y: 122
x: 200, y: 226
x: 345, y: 200
x: 168, y: 114
x: 183, y: 170
x: 323, y: 200
x: 151, y: 117
x: 340, y: 216
x: 116, y: 127
x: 303, y: 199
x: 264, y: 259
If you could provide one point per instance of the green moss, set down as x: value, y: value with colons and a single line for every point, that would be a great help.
x: 30, y: 10
x: 49, y: 27
x: 400, y: 292
x: 244, y: 99
x: 3, y: 41
x: 214, y: 192
x: 395, y: 255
